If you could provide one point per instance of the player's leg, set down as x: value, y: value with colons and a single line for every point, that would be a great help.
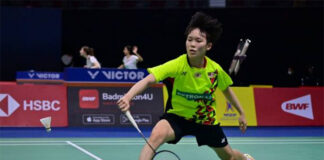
x: 214, y: 137
x: 227, y: 153
x: 161, y: 133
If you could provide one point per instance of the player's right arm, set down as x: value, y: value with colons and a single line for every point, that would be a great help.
x: 121, y: 66
x: 157, y: 74
x: 138, y: 88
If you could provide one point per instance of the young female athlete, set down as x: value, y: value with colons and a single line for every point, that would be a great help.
x: 88, y: 54
x: 131, y: 58
x: 193, y: 105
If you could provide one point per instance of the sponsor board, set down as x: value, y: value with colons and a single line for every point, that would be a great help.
x: 139, y: 119
x: 88, y: 98
x: 98, y: 119
x: 104, y: 75
x: 25, y: 105
x: 289, y: 106
x: 301, y: 106
x: 227, y: 114
x: 146, y: 107
x: 36, y: 76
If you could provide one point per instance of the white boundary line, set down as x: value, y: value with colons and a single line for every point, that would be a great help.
x: 83, y: 150
x: 140, y: 144
x: 182, y: 141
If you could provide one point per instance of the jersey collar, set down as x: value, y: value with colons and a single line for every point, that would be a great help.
x: 205, y: 61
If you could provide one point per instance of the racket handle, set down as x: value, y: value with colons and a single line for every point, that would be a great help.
x: 245, y: 46
x: 131, y: 119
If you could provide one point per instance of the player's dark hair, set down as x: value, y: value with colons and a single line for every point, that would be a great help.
x: 130, y: 49
x: 206, y: 24
x: 88, y: 50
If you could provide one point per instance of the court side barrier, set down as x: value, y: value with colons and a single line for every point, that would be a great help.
x: 289, y: 106
x: 103, y: 75
x: 39, y: 77
x: 226, y: 113
x: 24, y: 105
x: 82, y: 75
x: 94, y: 105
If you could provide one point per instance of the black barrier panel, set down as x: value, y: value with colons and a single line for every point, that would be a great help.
x: 96, y: 106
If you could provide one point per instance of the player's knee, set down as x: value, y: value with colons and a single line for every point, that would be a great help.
x: 158, y: 137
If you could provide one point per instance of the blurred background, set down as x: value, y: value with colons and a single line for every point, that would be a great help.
x: 280, y: 83
x: 284, y: 34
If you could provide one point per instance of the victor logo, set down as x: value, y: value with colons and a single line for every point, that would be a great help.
x: 8, y: 105
x: 31, y: 75
x: 93, y: 75
x: 301, y: 106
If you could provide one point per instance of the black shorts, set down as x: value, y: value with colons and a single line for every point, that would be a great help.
x: 211, y: 135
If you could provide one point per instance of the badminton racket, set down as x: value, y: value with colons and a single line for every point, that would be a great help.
x: 160, y: 155
x: 239, y: 56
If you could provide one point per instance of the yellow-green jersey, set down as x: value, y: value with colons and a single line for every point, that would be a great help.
x: 193, y: 88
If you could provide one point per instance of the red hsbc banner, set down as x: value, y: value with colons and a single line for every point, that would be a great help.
x: 25, y: 105
x: 289, y: 106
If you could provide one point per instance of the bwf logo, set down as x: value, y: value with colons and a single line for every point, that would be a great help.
x: 88, y: 98
x: 301, y: 106
x: 8, y: 105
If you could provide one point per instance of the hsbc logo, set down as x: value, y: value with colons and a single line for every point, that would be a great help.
x: 301, y: 106
x: 89, y: 98
x: 8, y: 105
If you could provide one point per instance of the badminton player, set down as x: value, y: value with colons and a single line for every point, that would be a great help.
x: 193, y: 105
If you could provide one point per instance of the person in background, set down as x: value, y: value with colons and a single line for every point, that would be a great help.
x: 88, y: 54
x: 131, y: 58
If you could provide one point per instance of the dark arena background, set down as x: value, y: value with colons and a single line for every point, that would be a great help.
x: 279, y: 83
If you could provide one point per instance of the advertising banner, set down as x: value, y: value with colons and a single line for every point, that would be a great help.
x: 289, y: 106
x: 73, y: 75
x: 36, y: 76
x: 227, y: 114
x: 96, y: 106
x: 25, y: 105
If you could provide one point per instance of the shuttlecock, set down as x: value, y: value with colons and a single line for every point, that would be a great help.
x: 46, y: 123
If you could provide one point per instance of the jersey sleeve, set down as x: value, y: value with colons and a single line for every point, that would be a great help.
x: 163, y: 71
x: 93, y: 60
x: 224, y: 80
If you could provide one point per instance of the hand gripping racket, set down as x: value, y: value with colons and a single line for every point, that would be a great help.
x: 160, y: 155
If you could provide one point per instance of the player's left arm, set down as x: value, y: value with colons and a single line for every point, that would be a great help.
x: 96, y: 65
x: 140, y: 58
x: 231, y: 97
